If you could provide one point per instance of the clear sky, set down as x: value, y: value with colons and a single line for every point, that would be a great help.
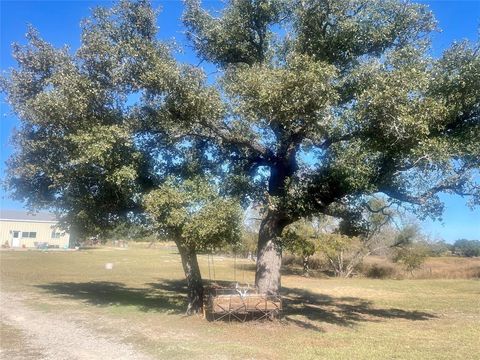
x: 58, y: 23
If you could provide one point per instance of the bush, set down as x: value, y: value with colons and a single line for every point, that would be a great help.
x: 316, y: 263
x: 412, y: 257
x: 288, y: 259
x: 377, y: 271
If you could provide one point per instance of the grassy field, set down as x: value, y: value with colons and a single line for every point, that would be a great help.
x: 141, y: 301
x: 446, y: 267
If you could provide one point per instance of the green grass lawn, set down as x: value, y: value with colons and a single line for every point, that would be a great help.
x: 142, y: 300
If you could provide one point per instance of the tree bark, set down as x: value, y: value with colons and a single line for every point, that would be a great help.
x: 269, y: 254
x: 193, y: 276
x: 74, y: 236
x: 306, y: 267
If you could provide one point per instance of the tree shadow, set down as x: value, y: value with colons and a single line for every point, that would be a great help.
x: 165, y: 297
x: 301, y: 307
x: 308, y: 310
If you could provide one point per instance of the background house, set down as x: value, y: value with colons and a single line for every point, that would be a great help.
x: 19, y: 229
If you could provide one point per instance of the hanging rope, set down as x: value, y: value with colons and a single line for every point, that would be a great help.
x: 209, y: 275
x: 213, y: 267
x: 235, y: 266
x: 243, y: 272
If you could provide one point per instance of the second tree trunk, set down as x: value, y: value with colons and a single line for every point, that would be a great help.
x: 193, y: 276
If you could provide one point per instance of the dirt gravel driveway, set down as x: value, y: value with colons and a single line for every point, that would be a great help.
x: 35, y: 334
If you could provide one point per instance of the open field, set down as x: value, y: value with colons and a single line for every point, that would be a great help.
x: 448, y: 267
x: 140, y: 302
x: 442, y: 267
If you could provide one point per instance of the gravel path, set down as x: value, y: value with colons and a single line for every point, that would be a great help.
x: 54, y: 337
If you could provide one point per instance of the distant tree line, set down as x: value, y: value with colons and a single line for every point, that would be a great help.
x: 467, y: 248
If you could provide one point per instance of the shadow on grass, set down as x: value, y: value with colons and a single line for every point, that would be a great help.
x: 301, y: 307
x: 309, y: 310
x: 164, y: 297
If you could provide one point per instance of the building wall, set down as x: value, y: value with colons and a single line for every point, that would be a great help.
x: 43, y: 233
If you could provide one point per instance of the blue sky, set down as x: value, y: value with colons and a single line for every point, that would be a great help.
x: 58, y: 23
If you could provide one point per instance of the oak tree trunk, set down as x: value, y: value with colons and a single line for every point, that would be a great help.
x: 269, y: 255
x: 193, y: 276
x: 306, y: 267
x: 73, y: 239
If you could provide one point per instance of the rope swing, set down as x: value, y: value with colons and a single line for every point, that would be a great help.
x: 235, y: 266
x: 213, y: 267
x: 209, y: 273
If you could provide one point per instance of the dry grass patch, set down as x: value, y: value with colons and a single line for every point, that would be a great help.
x: 434, y: 268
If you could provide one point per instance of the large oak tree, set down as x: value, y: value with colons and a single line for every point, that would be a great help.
x: 333, y: 101
x: 317, y: 105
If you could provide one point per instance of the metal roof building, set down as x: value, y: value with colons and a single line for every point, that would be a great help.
x: 22, y: 229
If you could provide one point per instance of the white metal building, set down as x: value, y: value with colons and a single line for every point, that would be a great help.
x: 20, y: 229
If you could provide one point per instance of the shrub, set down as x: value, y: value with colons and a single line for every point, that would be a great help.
x: 288, y: 259
x: 316, y: 263
x: 412, y: 257
x: 377, y: 271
